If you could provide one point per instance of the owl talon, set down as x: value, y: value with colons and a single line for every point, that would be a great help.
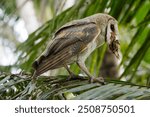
x: 97, y: 80
x: 73, y: 76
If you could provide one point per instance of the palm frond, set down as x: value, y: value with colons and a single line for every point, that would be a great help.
x: 21, y: 87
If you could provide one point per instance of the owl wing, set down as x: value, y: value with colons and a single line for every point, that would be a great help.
x: 69, y: 41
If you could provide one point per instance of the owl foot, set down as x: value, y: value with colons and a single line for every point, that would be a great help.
x: 97, y: 80
x: 73, y: 77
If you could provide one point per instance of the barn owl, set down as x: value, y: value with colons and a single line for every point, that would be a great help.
x: 75, y: 41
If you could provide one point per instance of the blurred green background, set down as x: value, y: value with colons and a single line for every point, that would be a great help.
x: 26, y: 26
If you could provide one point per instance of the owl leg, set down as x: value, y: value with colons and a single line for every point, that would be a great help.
x: 72, y: 75
x: 69, y: 71
x: 86, y: 71
x: 34, y: 76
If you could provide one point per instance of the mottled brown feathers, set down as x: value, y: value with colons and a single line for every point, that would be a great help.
x: 68, y: 42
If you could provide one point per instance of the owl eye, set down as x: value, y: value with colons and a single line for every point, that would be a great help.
x: 112, y: 27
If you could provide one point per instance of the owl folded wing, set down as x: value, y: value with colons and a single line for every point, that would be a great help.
x: 69, y: 41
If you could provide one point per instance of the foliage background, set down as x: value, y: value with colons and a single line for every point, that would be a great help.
x: 134, y: 23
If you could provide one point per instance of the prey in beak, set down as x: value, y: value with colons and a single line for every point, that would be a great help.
x: 114, y: 45
x: 112, y: 37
